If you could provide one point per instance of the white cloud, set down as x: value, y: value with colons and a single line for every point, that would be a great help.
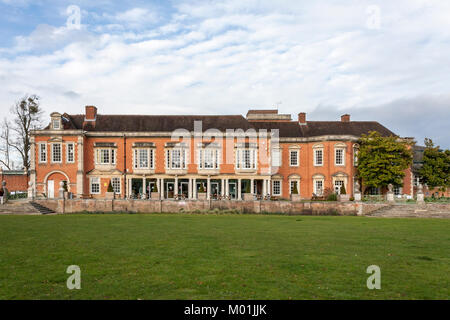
x: 46, y: 37
x: 135, y: 15
x: 228, y: 57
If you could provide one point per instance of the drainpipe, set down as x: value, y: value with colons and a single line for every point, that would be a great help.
x: 125, y: 165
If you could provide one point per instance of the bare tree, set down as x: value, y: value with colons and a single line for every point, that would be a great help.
x: 27, y: 115
x: 5, y: 145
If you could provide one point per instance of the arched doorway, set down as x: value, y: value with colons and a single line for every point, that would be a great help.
x: 52, y: 181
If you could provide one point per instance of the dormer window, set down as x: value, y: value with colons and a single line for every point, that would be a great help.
x: 56, y: 124
x: 56, y: 121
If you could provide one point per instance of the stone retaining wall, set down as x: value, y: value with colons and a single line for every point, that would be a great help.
x: 168, y: 206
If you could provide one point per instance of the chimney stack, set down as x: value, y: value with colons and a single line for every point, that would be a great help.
x: 302, y: 118
x: 91, y: 113
x: 345, y: 118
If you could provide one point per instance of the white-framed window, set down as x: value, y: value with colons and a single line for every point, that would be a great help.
x: 397, y: 190
x: 373, y: 191
x: 276, y: 188
x: 70, y: 156
x: 355, y: 156
x: 318, y: 187
x: 339, y: 156
x: 42, y: 152
x: 115, y: 182
x: 293, y: 158
x: 246, y: 158
x: 176, y: 159
x: 175, y: 162
x: 276, y: 157
x: 144, y: 158
x: 337, y: 186
x: 56, y: 152
x: 208, y: 158
x: 318, y: 157
x: 95, y: 185
x: 105, y: 156
x: 56, y: 123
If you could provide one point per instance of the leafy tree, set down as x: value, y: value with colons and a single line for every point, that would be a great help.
x: 435, y: 171
x: 383, y: 160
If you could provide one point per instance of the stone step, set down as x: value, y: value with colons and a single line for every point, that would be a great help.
x: 41, y: 208
x: 18, y: 207
x: 413, y: 210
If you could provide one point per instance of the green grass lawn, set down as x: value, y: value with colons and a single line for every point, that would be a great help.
x: 131, y: 256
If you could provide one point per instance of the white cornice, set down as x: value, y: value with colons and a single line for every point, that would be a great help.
x: 192, y: 135
x: 57, y: 132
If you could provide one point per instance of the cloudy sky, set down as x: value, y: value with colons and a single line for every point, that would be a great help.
x: 387, y: 61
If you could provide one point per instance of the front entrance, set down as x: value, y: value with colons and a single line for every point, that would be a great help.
x: 150, y: 185
x: 258, y: 187
x: 214, y: 190
x: 136, y: 188
x: 183, y: 189
x: 51, y: 189
x: 169, y: 190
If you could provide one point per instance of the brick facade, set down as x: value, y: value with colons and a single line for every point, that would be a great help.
x: 87, y: 152
x: 15, y: 180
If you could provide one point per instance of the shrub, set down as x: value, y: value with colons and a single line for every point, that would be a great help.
x: 352, y: 199
x: 110, y: 188
x: 295, y: 190
x: 201, y: 189
x: 327, y: 192
x: 247, y: 187
x: 332, y: 197
x: 343, y: 191
x: 155, y: 187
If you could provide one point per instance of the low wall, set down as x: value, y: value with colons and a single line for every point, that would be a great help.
x: 15, y: 180
x: 168, y: 206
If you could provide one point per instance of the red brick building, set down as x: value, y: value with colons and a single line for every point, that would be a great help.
x: 16, y: 180
x: 265, y: 153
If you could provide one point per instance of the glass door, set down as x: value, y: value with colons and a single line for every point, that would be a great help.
x: 184, y: 189
x: 214, y: 190
x: 232, y: 190
x: 169, y: 190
